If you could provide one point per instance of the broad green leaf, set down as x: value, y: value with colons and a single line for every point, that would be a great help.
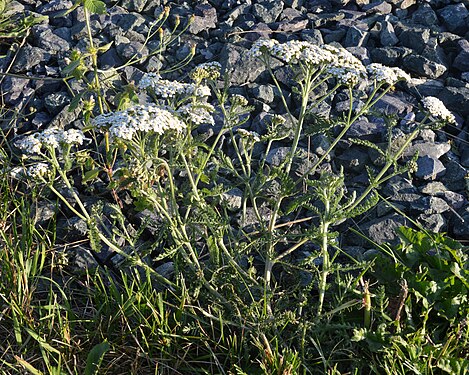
x: 75, y: 101
x: 95, y: 6
x: 90, y: 175
x: 68, y: 70
x: 95, y: 358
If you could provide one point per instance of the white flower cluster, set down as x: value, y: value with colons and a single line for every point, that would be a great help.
x: 347, y: 75
x: 208, y: 70
x: 150, y: 118
x: 340, y: 63
x: 261, y: 46
x: 38, y: 170
x: 198, y: 113
x: 32, y: 144
x: 149, y: 80
x: 169, y: 89
x: 437, y: 109
x: 34, y: 171
x: 385, y: 74
x: 345, y: 67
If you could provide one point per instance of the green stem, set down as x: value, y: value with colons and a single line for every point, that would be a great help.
x: 325, y: 262
x: 370, y: 102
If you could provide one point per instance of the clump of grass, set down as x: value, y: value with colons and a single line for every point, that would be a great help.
x: 237, y: 299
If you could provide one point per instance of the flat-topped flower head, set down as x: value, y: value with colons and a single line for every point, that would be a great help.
x: 149, y: 118
x: 387, y: 75
x: 149, y: 80
x: 29, y: 145
x: 200, y: 113
x: 316, y: 55
x: 73, y: 137
x: 343, y: 58
x: 437, y: 109
x: 208, y: 70
x: 347, y: 75
x: 169, y: 89
x: 290, y: 51
x: 52, y: 138
x: 262, y: 46
x: 38, y: 170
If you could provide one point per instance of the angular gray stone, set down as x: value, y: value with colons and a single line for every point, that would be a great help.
x: 433, y: 188
x: 387, y: 35
x: 430, y: 205
x: 461, y: 62
x: 413, y: 37
x: 356, y: 37
x: 423, y: 66
x: 267, y: 11
x: 371, y: 131
x: 136, y: 5
x: 264, y: 93
x: 41, y: 119
x: 378, y: 7
x: 390, y: 56
x: 277, y: 155
x: 456, y: 99
x: 241, y: 67
x: 49, y: 41
x: 461, y: 224
x: 313, y: 36
x: 455, y: 17
x: 44, y: 211
x: 126, y: 49
x: 54, y: 6
x: 166, y: 270
x: 383, y: 229
x: 454, y: 200
x: 205, y: 19
x: 391, y: 103
x: 426, y: 87
x: 56, y: 101
x: 64, y: 117
x: 320, y: 144
x: 353, y: 159
x: 13, y: 88
x: 465, y: 156
x: 29, y: 57
x: 429, y: 168
x: 130, y: 22
x: 425, y: 15
x: 399, y: 185
x: 80, y: 259
x: 153, y: 222
x: 434, y: 150
x: 72, y: 229
x: 251, y: 219
x: 232, y: 199
x: 433, y: 222
x: 454, y: 177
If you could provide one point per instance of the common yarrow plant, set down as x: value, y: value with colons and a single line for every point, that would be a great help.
x: 228, y: 264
